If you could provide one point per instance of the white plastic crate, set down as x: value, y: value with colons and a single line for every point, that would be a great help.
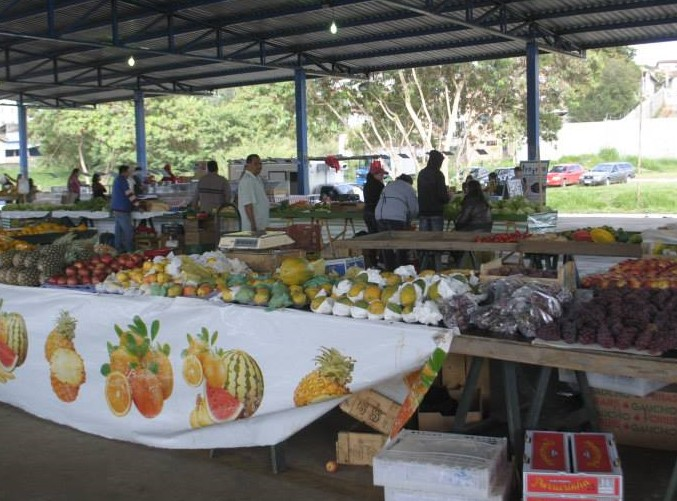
x: 463, y: 465
x: 621, y: 384
x: 500, y: 492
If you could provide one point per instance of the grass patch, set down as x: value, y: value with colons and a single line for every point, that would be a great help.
x: 645, y: 198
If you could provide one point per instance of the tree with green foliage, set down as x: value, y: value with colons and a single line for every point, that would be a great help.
x: 611, y: 88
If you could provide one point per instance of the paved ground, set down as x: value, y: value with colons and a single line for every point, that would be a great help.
x: 42, y: 461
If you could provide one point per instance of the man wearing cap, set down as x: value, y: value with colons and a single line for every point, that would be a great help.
x: 372, y: 191
x: 432, y: 194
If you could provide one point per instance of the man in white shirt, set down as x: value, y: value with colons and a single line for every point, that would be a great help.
x: 252, y: 201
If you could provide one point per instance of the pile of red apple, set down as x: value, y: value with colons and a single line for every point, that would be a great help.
x: 96, y: 269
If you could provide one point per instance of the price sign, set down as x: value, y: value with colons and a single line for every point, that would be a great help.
x: 535, y: 174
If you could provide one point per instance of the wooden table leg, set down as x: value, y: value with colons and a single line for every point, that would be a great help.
x: 467, y: 395
x: 588, y: 401
x: 537, y: 404
x: 671, y: 493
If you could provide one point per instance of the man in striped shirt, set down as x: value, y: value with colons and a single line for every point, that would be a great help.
x: 213, y: 190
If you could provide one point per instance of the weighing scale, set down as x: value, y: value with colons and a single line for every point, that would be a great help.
x: 254, y: 240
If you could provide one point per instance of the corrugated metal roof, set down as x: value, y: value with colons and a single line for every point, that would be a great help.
x: 76, y: 54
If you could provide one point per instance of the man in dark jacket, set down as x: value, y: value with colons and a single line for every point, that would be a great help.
x: 432, y: 194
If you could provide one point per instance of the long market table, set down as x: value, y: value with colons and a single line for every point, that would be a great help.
x: 466, y: 241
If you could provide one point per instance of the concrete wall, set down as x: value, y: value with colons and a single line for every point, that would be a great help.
x: 658, y: 136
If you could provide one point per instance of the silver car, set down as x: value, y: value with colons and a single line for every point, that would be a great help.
x: 606, y: 173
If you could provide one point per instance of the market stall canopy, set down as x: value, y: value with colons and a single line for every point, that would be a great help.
x: 72, y: 53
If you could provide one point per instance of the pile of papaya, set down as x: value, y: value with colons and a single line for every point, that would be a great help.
x: 603, y: 235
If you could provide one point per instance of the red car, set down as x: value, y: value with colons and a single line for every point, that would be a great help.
x: 565, y: 174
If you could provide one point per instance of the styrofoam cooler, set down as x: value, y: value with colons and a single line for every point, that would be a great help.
x: 442, y: 463
x: 500, y: 492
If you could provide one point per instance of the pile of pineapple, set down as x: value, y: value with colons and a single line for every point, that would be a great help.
x: 29, y: 265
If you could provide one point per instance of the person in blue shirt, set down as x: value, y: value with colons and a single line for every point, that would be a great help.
x: 123, y: 201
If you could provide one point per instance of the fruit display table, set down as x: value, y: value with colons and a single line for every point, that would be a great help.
x: 194, y: 373
x: 465, y: 241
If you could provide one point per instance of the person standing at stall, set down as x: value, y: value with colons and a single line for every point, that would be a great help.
x: 475, y: 212
x: 213, y: 190
x: 395, y: 210
x: 123, y: 202
x: 73, y: 186
x: 252, y: 201
x: 432, y: 194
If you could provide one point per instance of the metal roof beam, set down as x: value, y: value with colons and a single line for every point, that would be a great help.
x: 501, y: 33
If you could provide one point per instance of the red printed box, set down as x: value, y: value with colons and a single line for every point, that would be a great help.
x: 571, y: 466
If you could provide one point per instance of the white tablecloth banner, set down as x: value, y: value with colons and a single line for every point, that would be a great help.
x: 283, y: 343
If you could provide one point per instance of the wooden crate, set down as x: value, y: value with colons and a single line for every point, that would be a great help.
x: 358, y: 448
x: 264, y: 261
x: 372, y: 409
x: 566, y: 274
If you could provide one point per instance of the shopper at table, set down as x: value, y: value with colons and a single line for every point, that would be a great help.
x: 74, y: 186
x: 432, y: 194
x: 372, y: 192
x: 98, y: 189
x: 395, y: 210
x: 213, y: 190
x: 123, y: 202
x: 475, y: 212
x: 252, y: 201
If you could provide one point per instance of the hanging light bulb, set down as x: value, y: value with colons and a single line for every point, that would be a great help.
x: 333, y: 29
x: 131, y: 61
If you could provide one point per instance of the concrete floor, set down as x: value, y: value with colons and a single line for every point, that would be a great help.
x: 43, y: 461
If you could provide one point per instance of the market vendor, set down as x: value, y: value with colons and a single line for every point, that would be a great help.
x: 252, y: 201
x: 6, y: 182
x: 167, y: 175
x: 123, y: 202
x: 213, y: 190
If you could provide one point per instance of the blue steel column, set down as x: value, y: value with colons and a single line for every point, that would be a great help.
x: 23, y: 138
x: 301, y: 131
x: 533, y: 99
x: 140, y: 128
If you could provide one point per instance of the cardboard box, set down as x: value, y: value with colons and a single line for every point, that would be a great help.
x: 436, y: 421
x: 358, y: 448
x: 571, y: 464
x: 372, y: 409
x: 264, y: 261
x: 649, y: 421
x: 340, y: 266
x: 622, y: 384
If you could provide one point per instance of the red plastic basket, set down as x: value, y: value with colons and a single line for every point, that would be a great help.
x: 306, y: 236
x: 156, y: 252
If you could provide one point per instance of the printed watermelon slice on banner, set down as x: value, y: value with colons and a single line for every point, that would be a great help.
x: 418, y: 382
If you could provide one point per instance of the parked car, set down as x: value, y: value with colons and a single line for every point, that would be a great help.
x: 627, y: 166
x: 565, y: 174
x: 606, y: 173
x: 342, y: 192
